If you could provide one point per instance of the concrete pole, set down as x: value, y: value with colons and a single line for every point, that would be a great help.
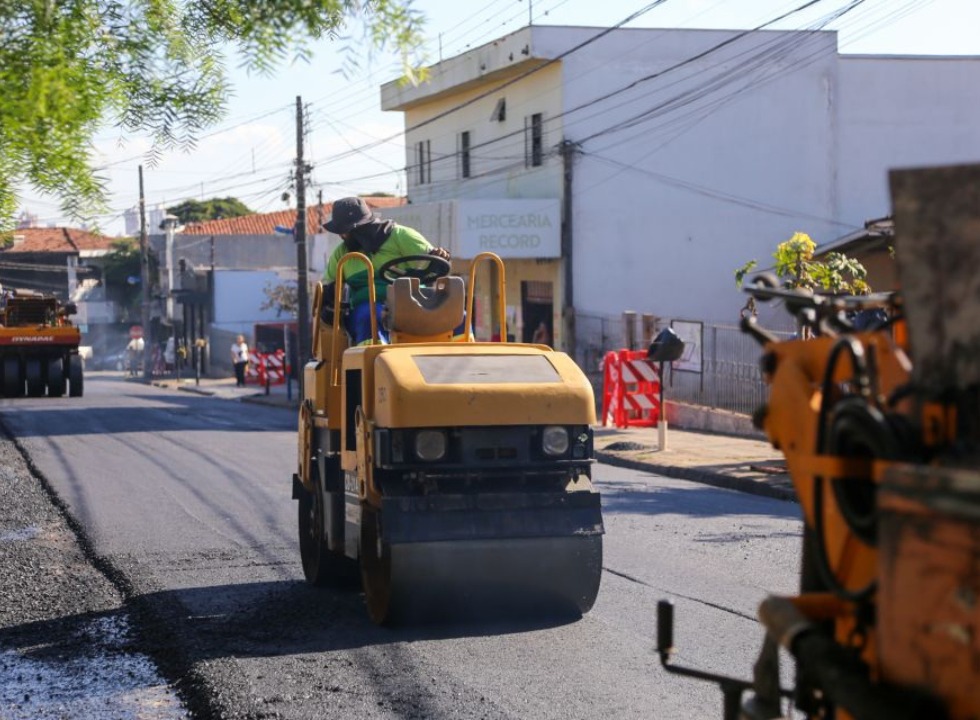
x: 145, y: 287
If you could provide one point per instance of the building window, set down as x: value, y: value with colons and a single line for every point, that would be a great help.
x: 499, y: 111
x: 534, y: 140
x: 423, y: 161
x: 464, y: 154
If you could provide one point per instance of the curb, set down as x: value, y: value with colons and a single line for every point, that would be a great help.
x: 195, y: 390
x: 705, y: 477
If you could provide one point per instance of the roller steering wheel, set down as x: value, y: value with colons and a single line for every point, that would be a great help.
x: 434, y: 268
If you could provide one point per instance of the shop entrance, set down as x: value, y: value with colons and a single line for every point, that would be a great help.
x: 537, y: 312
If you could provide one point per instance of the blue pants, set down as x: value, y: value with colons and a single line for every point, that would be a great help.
x: 359, y: 323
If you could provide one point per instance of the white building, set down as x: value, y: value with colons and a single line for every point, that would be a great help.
x: 686, y: 152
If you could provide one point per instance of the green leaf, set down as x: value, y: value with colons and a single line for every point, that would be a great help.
x: 71, y: 67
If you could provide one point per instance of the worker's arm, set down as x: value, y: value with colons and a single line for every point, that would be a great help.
x: 412, y: 242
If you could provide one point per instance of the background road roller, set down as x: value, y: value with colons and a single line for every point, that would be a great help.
x: 455, y: 473
x: 38, y: 346
x: 881, y: 432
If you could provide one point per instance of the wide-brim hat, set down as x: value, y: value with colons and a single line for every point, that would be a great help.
x: 346, y: 214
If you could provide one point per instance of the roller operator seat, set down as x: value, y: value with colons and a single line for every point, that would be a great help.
x: 425, y: 314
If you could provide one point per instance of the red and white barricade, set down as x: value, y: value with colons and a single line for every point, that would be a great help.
x: 275, y: 368
x: 253, y: 373
x: 630, y: 389
x: 266, y: 368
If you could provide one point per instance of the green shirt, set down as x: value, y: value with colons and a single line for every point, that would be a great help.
x: 402, y: 241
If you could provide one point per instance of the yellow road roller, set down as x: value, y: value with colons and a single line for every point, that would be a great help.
x: 453, y: 473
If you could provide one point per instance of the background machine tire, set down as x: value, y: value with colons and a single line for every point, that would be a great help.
x: 13, y: 381
x: 75, y: 376
x: 56, y: 377
x: 34, y: 374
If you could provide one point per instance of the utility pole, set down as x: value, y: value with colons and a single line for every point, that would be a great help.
x: 302, y: 281
x: 568, y: 149
x: 170, y: 228
x: 145, y: 286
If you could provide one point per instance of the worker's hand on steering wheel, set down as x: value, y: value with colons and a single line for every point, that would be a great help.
x: 425, y: 268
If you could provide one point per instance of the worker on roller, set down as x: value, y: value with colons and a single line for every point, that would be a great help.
x: 381, y: 240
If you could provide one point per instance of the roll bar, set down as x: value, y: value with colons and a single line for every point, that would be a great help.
x: 501, y: 294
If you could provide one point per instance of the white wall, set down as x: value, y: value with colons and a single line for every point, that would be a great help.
x: 903, y: 112
x: 238, y: 297
x: 731, y: 162
x: 707, y: 161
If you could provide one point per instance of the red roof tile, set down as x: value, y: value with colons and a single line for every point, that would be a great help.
x: 59, y: 239
x: 265, y: 223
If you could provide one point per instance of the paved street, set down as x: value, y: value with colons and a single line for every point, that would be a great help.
x: 184, y: 499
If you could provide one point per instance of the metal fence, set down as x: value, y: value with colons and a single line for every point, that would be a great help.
x: 729, y: 376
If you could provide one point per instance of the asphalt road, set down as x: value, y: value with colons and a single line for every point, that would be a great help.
x: 184, y: 501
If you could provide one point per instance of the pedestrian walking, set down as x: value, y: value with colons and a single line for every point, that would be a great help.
x: 239, y: 359
x: 134, y: 355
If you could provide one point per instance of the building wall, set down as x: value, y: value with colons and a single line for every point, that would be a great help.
x: 727, y: 160
x: 724, y: 145
x: 903, y: 112
x: 242, y: 251
x: 498, y: 168
x: 239, y: 295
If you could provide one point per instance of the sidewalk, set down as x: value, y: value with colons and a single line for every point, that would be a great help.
x: 737, y: 463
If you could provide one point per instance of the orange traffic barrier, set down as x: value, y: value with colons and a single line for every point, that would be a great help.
x: 630, y: 389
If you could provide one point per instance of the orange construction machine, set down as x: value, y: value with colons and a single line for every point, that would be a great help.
x: 880, y: 427
x: 38, y: 346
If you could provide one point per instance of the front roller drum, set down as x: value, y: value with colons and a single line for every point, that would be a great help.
x: 555, y: 577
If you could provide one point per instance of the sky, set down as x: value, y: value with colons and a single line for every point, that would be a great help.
x: 249, y: 154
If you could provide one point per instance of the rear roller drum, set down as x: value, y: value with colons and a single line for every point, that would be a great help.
x: 321, y: 567
x: 375, y: 569
x: 13, y: 380
x: 35, y: 377
x: 75, y: 380
x: 56, y: 377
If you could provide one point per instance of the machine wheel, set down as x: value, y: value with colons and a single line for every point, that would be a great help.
x: 321, y: 566
x: 34, y: 374
x: 375, y: 569
x: 13, y: 381
x: 75, y: 379
x: 56, y: 377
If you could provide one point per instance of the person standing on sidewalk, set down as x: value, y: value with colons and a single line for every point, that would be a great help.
x: 239, y: 358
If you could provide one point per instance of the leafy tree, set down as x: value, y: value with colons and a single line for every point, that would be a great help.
x: 283, y: 298
x: 156, y: 66
x: 213, y: 209
x: 797, y: 267
x: 121, y: 274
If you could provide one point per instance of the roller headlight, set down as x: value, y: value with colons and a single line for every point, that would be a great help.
x: 430, y: 445
x: 554, y: 440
